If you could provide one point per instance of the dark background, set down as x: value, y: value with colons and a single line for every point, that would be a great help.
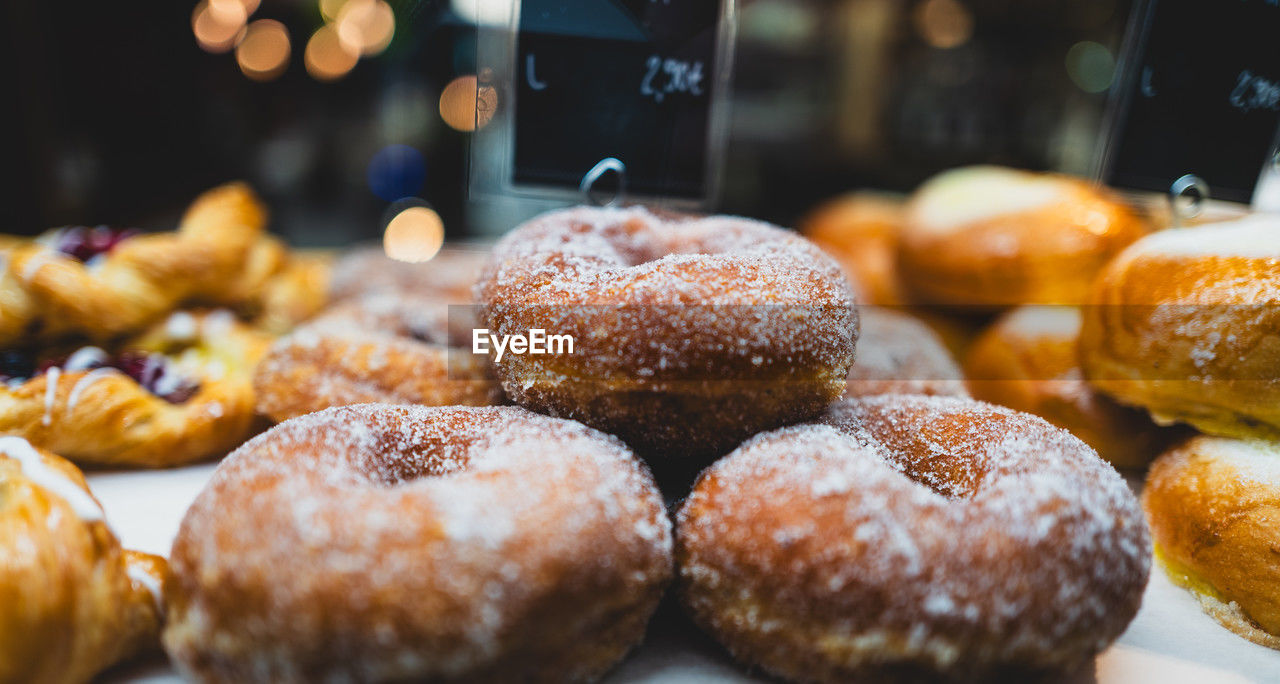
x: 118, y: 116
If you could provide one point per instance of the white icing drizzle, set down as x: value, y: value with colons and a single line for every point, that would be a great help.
x: 50, y: 393
x: 181, y: 326
x: 218, y: 323
x: 55, y: 482
x: 85, y: 358
x: 83, y: 383
x: 168, y: 382
x: 148, y: 582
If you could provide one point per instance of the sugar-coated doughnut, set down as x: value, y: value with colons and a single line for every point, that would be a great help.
x: 389, y: 348
x: 448, y: 275
x: 861, y: 231
x: 72, y: 602
x: 899, y: 354
x: 1028, y: 360
x: 994, y: 237
x: 691, y: 333
x: 908, y: 536
x: 1185, y: 324
x: 407, y: 543
x: 1212, y: 504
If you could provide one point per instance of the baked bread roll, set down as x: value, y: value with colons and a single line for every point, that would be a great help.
x: 991, y: 237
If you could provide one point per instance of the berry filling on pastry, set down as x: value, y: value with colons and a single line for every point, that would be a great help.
x: 84, y: 243
x: 156, y: 373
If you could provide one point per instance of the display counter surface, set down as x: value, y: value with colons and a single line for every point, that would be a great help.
x: 1170, y: 641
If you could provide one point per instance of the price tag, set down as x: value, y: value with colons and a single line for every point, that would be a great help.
x: 1198, y: 98
x: 632, y: 87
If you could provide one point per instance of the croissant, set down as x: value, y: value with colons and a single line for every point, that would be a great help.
x: 72, y: 601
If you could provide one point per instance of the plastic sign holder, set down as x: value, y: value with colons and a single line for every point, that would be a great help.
x: 601, y: 98
x: 1195, y: 107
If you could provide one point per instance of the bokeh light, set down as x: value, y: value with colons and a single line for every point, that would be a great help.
x: 263, y: 53
x: 249, y: 6
x: 329, y: 9
x: 415, y: 235
x: 396, y: 172
x: 943, y: 24
x: 1090, y: 66
x: 326, y: 57
x: 366, y: 26
x: 465, y: 105
x: 217, y: 24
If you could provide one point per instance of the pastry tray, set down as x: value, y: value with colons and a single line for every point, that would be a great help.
x: 1170, y: 641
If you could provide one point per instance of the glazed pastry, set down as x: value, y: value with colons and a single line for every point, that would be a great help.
x: 177, y: 394
x: 691, y: 333
x: 913, y: 538
x: 102, y: 283
x: 295, y: 293
x: 384, y: 348
x: 407, y: 543
x: 1184, y: 322
x: 72, y: 602
x: 861, y: 231
x: 448, y: 276
x: 1027, y: 360
x: 1211, y: 503
x: 990, y: 237
x: 899, y: 354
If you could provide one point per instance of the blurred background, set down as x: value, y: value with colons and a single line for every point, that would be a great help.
x: 337, y: 110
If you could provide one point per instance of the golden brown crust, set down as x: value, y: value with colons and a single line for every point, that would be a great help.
x: 295, y: 293
x: 415, y: 543
x: 861, y: 231
x: 913, y: 537
x: 74, y: 601
x: 106, y: 418
x: 690, y: 334
x: 219, y: 255
x: 990, y: 237
x: 1184, y: 325
x: 1027, y: 360
x: 393, y: 349
x: 1212, y: 504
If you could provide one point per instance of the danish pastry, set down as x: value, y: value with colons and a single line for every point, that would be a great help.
x: 179, y: 393
x: 73, y: 601
x: 408, y: 543
x: 102, y: 283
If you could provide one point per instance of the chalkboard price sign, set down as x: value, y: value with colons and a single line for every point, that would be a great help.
x: 1199, y: 94
x: 635, y: 80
